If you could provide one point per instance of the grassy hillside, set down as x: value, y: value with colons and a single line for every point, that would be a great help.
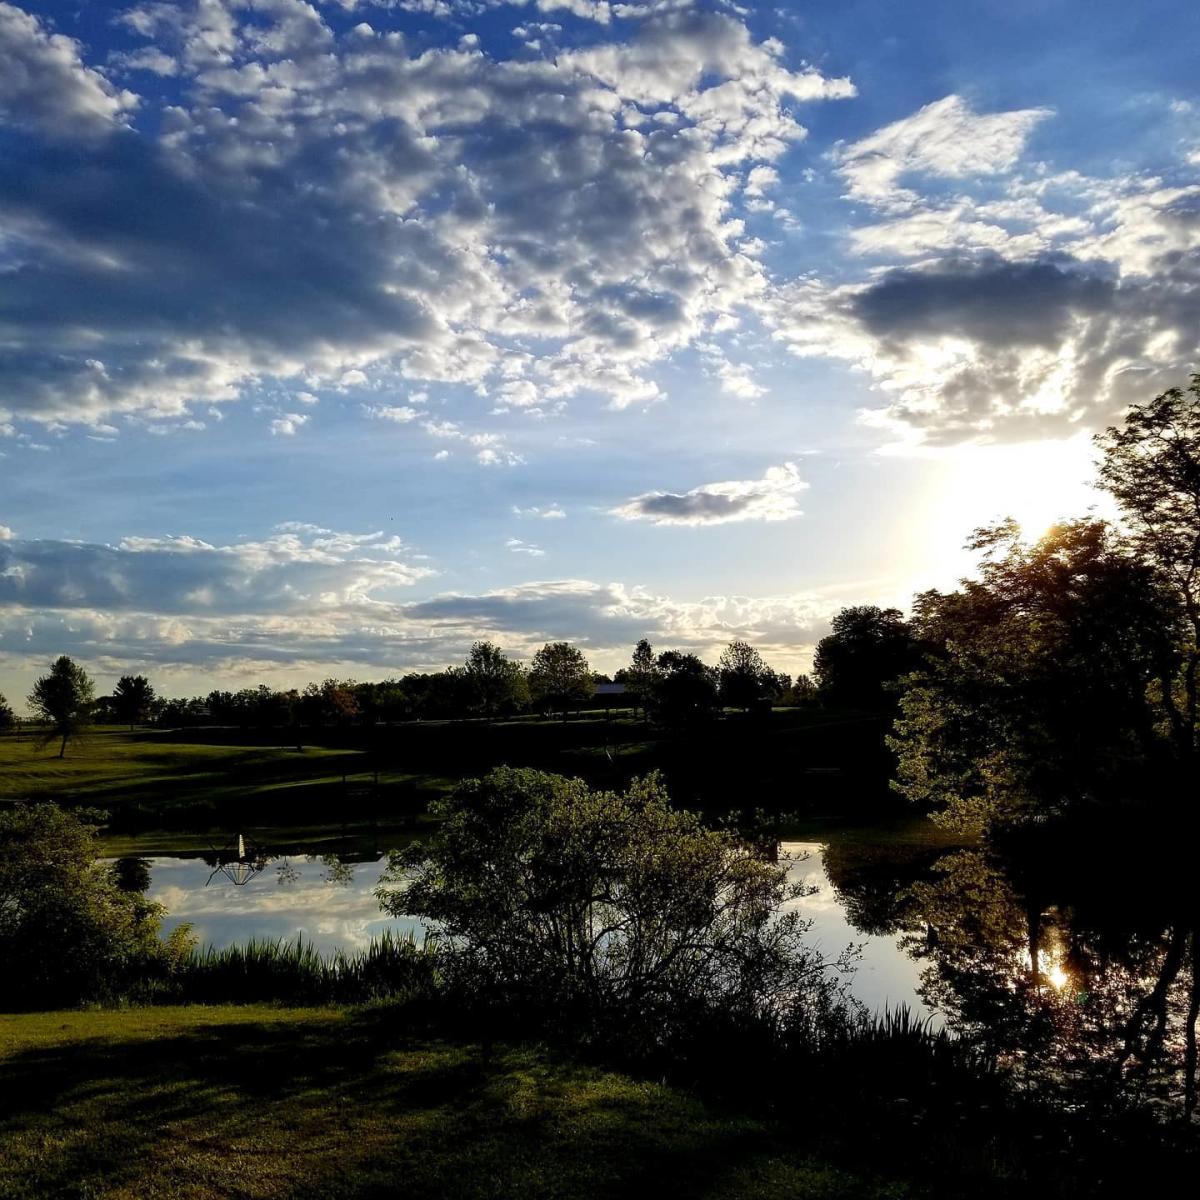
x: 806, y: 761
x: 151, y: 779
x: 263, y: 1102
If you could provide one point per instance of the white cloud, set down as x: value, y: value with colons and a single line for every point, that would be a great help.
x: 772, y: 498
x: 945, y: 139
x: 737, y: 379
x: 288, y: 424
x: 607, y: 619
x: 517, y: 546
x: 1030, y: 304
x: 306, y: 599
x: 399, y: 414
x: 552, y: 513
x: 300, y: 569
x: 46, y: 86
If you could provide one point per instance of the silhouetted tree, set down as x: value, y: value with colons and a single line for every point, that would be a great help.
x: 685, y: 690
x: 1034, y: 698
x: 496, y: 683
x: 330, y: 703
x: 801, y: 690
x: 560, y: 677
x: 1151, y: 466
x: 132, y: 699
x: 132, y: 874
x: 63, y: 698
x: 869, y: 649
x: 8, y: 718
x: 640, y: 675
x: 744, y: 677
x: 382, y: 701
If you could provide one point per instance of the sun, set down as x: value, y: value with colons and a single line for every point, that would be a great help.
x: 1036, y: 483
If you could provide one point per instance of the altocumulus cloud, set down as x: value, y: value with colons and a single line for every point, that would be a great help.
x: 771, y: 498
x: 349, y: 208
x: 1026, y: 304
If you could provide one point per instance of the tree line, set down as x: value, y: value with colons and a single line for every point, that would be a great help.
x: 674, y: 687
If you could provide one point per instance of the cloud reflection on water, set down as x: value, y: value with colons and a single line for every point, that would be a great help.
x: 302, y: 900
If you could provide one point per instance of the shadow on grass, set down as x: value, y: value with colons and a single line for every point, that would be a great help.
x: 348, y: 1104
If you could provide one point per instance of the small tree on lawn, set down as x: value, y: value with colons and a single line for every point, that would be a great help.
x: 63, y: 699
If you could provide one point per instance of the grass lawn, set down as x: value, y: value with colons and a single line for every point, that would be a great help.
x: 113, y: 764
x: 193, y: 781
x: 190, y: 784
x: 265, y: 1102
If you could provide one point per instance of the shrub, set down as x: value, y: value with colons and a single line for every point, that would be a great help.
x: 69, y: 933
x: 609, y: 916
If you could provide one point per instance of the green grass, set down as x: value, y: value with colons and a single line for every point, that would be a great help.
x: 262, y: 1102
x: 191, y: 781
x: 113, y: 764
x: 150, y: 779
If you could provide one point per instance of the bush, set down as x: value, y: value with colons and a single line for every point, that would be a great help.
x: 611, y: 917
x: 69, y: 933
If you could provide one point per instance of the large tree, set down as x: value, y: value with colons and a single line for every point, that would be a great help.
x: 1151, y: 465
x: 640, y: 676
x: 495, y: 682
x: 8, y: 718
x: 63, y: 699
x: 1035, y: 697
x: 868, y: 650
x: 132, y: 699
x: 686, y: 690
x: 560, y: 677
x: 744, y: 677
x: 332, y: 703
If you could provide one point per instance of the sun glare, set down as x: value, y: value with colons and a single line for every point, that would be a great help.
x: 1036, y: 483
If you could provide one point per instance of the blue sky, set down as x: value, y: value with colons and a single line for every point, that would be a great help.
x: 335, y: 336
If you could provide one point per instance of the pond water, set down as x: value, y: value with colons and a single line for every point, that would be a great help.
x: 329, y: 901
x: 1060, y: 957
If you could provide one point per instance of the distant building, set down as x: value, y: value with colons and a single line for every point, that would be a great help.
x: 613, y: 695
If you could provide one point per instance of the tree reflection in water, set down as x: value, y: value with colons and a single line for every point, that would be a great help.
x: 1071, y: 970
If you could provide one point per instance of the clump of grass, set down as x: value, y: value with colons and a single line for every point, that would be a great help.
x: 907, y: 1045
x: 392, y: 967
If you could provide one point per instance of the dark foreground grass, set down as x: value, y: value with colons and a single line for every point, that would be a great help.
x: 262, y: 1102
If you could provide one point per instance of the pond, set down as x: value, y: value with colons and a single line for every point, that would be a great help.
x: 1062, y: 958
x: 328, y: 900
